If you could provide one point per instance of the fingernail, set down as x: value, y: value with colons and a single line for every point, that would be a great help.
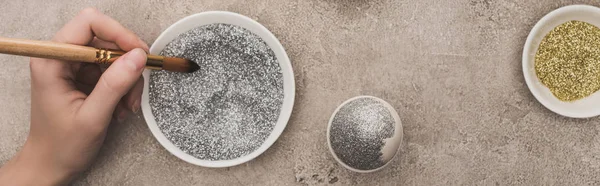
x: 136, y: 106
x: 122, y: 116
x: 133, y: 58
x: 145, y: 46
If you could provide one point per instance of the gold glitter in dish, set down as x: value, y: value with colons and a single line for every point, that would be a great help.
x: 568, y: 60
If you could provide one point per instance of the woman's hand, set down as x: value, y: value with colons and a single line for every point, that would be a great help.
x: 72, y: 103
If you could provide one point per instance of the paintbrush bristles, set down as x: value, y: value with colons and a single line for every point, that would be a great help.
x: 179, y: 65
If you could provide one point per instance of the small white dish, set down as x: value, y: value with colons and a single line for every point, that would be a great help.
x: 391, y: 145
x: 206, y: 18
x: 584, y: 108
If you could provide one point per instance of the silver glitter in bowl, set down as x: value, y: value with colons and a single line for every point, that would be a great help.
x: 229, y: 107
x: 358, y: 130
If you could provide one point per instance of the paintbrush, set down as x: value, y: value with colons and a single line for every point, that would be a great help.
x: 77, y: 53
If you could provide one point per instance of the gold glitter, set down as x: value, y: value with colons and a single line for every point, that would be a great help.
x: 568, y: 60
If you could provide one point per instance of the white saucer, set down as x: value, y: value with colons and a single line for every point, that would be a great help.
x: 584, y: 108
x: 205, y: 18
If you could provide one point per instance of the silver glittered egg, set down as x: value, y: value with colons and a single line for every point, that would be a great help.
x: 364, y: 134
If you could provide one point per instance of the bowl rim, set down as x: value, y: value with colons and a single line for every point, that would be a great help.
x: 210, y: 17
x: 528, y: 58
x: 397, y: 131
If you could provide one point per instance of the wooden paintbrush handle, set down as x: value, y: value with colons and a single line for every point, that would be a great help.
x: 47, y: 49
x: 77, y: 53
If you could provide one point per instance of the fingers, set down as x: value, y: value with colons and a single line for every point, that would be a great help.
x: 90, y: 22
x: 133, y: 98
x: 88, y: 76
x: 99, y: 43
x: 116, y: 82
x: 121, y: 112
x: 57, y: 76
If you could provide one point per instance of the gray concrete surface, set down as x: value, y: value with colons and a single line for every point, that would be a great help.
x: 452, y: 69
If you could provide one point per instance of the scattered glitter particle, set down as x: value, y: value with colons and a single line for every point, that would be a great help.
x: 358, y: 131
x: 568, y: 60
x: 229, y: 107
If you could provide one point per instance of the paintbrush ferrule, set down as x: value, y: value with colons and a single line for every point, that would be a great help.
x: 155, y: 62
x: 107, y: 57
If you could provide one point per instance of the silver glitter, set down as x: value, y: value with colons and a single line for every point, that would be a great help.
x: 229, y: 107
x: 357, y: 133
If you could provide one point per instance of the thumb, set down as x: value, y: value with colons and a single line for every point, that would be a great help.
x: 114, y: 83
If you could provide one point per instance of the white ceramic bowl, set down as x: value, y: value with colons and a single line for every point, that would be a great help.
x: 584, y: 108
x: 205, y: 18
x: 392, y: 145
